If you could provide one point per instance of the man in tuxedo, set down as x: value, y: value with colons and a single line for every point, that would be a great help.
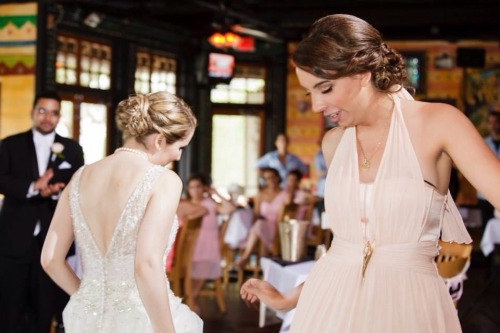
x: 34, y: 167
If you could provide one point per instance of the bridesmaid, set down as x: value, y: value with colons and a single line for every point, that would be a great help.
x: 268, y: 204
x: 206, y: 261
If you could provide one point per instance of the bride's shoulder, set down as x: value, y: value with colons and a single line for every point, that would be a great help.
x: 168, y: 179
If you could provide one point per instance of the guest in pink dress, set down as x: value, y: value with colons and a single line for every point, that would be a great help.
x: 206, y: 264
x: 297, y: 195
x: 268, y: 204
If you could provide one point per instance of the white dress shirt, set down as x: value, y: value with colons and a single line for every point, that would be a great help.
x: 42, y: 147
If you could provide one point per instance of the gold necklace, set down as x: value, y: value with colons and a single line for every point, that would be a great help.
x: 366, y: 161
x: 366, y: 164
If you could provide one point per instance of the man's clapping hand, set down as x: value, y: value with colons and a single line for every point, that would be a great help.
x: 45, y: 189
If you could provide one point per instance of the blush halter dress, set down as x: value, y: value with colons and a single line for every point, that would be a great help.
x: 401, y: 290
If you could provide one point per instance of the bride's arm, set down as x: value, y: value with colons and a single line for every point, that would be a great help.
x: 151, y: 244
x: 57, y: 243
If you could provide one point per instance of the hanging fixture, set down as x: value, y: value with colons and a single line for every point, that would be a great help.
x: 231, y: 40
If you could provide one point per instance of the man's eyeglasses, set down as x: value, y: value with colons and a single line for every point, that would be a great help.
x: 55, y: 113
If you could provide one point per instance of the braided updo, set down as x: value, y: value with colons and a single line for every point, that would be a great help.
x: 343, y: 45
x: 159, y: 112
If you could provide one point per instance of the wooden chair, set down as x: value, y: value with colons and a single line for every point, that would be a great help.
x: 180, y: 275
x: 452, y: 260
x: 217, y: 292
x: 181, y: 266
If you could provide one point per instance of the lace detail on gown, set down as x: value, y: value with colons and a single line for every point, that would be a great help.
x: 108, y: 299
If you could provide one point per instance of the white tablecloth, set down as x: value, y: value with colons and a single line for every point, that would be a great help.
x: 283, y: 278
x: 491, y: 236
x: 238, y: 227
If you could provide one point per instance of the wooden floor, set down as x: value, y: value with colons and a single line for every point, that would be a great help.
x: 478, y: 309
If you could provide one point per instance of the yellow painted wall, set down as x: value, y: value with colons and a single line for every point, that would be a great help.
x: 17, y: 58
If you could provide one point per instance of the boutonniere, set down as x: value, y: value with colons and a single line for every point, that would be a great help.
x: 57, y: 149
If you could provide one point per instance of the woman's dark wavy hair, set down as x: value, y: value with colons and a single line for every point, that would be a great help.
x: 204, y: 180
x: 342, y: 45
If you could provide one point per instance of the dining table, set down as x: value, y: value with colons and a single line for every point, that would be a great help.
x: 240, y: 222
x: 491, y: 236
x: 284, y: 276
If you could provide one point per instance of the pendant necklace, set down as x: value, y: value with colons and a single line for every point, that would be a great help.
x: 369, y: 242
x: 366, y: 164
x: 369, y: 245
x: 133, y: 151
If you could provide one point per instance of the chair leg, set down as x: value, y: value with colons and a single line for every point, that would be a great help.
x: 220, y: 296
x: 240, y: 277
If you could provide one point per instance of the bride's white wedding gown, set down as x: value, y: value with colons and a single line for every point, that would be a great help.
x: 108, y: 300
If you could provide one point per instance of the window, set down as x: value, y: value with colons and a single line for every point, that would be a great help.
x: 85, y: 119
x: 415, y: 66
x: 83, y: 63
x: 246, y: 87
x: 236, y: 144
x: 155, y: 73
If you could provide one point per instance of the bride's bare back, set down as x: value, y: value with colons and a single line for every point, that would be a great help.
x: 105, y: 188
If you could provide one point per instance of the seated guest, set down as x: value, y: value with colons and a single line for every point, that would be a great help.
x: 240, y: 221
x: 281, y: 159
x: 297, y: 195
x: 206, y: 260
x: 268, y: 203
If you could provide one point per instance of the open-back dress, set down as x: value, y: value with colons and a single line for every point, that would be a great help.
x: 108, y: 300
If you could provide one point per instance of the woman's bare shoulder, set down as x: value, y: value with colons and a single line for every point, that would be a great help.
x: 168, y: 181
x: 431, y: 110
x: 330, y: 143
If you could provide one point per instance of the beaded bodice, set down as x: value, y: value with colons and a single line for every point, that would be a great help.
x: 108, y: 282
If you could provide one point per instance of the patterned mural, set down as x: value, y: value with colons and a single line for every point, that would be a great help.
x: 18, y: 39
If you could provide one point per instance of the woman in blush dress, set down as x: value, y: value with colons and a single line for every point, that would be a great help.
x: 121, y: 213
x: 267, y: 207
x: 386, y: 195
x: 206, y: 260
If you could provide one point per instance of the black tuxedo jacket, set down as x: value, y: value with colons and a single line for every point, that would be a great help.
x: 18, y: 169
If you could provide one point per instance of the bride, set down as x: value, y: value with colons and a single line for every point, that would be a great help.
x: 121, y: 212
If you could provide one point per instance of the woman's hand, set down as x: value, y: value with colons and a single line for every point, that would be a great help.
x: 255, y: 289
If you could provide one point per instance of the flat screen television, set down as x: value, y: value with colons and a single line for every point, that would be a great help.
x: 220, y: 66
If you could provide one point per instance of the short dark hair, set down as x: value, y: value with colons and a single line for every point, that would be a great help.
x: 494, y: 113
x: 296, y: 173
x: 50, y: 94
x: 199, y: 177
x: 273, y: 171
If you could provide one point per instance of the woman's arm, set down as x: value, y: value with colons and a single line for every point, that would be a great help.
x: 225, y: 206
x: 256, y: 206
x: 57, y: 243
x: 254, y: 289
x: 329, y: 144
x: 151, y: 244
x: 190, y: 211
x: 462, y: 142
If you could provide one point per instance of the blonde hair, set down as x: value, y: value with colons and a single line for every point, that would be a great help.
x: 158, y: 112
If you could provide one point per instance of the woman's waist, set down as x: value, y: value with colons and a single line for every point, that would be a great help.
x: 416, y: 255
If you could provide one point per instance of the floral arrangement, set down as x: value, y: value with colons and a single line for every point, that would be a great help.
x: 57, y: 148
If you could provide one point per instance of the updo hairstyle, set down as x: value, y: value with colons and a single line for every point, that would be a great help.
x: 343, y: 45
x: 158, y: 112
